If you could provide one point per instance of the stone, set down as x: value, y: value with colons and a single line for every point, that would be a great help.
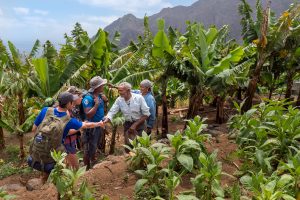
x: 34, y: 184
x: 215, y: 133
x: 164, y: 141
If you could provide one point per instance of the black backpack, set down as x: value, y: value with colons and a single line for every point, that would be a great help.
x: 81, y: 109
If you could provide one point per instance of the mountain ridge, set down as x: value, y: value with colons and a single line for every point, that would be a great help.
x: 217, y: 12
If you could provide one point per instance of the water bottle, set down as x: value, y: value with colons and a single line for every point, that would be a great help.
x: 39, y: 138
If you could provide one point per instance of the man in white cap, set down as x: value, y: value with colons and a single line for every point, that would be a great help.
x: 93, y: 104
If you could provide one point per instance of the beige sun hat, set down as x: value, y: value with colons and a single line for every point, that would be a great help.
x: 96, y: 82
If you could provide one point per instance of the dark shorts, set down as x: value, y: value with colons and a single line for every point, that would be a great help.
x: 37, y: 165
x: 70, y: 144
x: 71, y: 147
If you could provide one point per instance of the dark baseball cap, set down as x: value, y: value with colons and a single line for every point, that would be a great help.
x: 65, y: 97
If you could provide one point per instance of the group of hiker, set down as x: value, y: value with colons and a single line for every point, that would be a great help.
x: 77, y: 121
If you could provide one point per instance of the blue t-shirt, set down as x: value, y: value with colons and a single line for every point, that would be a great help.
x: 88, y: 102
x: 72, y: 124
x: 151, y: 103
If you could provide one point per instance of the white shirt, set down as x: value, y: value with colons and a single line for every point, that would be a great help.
x: 132, y: 110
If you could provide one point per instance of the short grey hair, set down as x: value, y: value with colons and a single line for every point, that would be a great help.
x: 125, y: 85
x: 146, y: 83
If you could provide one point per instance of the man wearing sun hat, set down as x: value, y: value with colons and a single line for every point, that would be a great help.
x: 93, y: 104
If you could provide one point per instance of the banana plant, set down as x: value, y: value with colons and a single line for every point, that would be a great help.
x: 18, y: 71
x: 226, y: 75
x: 268, y: 34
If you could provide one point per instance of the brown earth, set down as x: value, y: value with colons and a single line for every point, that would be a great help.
x: 111, y: 177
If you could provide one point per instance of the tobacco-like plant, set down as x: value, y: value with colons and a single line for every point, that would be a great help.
x: 188, y: 145
x: 271, y: 188
x: 66, y: 180
x: 207, y: 183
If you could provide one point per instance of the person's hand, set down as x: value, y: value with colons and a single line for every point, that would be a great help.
x: 101, y: 124
x: 132, y: 128
x: 106, y: 120
x: 104, y: 98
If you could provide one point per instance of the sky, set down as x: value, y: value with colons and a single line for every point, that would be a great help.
x: 24, y: 21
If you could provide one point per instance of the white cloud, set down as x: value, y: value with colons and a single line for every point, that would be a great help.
x: 41, y: 12
x: 21, y: 10
x: 100, y: 20
x: 46, y: 28
x: 92, y: 23
x: 129, y: 5
x: 1, y: 12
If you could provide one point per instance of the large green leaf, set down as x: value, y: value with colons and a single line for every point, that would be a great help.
x: 186, y: 197
x: 98, y: 48
x: 41, y: 67
x: 6, y: 126
x: 186, y: 161
x: 34, y: 49
x: 139, y: 184
x: 233, y: 57
x: 15, y: 55
x: 161, y: 42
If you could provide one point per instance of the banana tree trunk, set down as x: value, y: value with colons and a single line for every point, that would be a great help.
x: 239, y: 94
x: 289, y: 85
x: 195, y: 102
x: 271, y: 92
x: 272, y: 87
x: 21, y: 113
x: 164, y: 124
x: 262, y: 56
x: 298, y: 98
x: 2, y: 141
x: 113, y: 140
x: 253, y: 82
x: 220, y: 110
x: 214, y: 102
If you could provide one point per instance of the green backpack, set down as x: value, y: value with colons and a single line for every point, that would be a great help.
x: 48, y: 137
